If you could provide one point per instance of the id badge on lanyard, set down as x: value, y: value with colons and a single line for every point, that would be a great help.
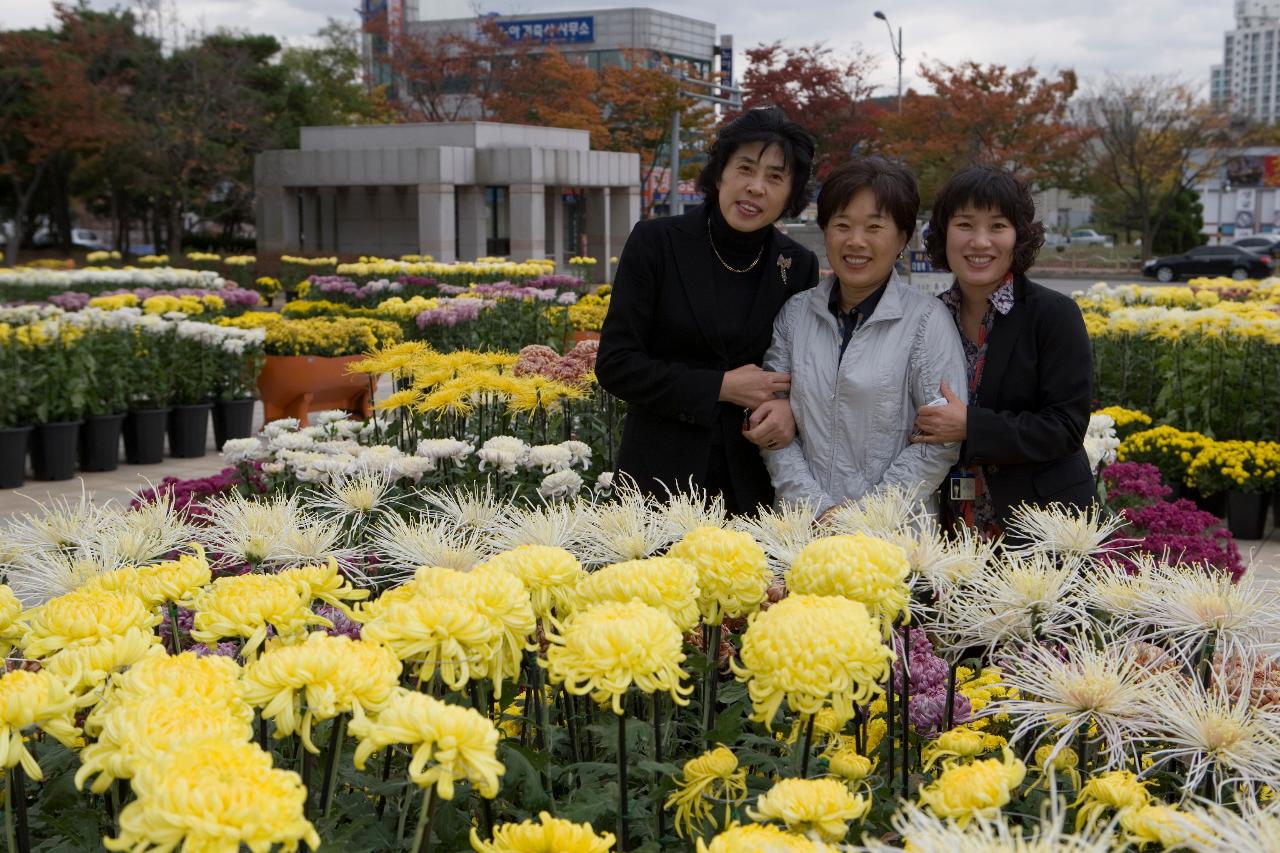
x: 964, y: 487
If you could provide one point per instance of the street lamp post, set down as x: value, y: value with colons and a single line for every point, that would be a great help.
x: 897, y: 52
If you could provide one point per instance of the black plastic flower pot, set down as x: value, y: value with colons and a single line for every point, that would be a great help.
x: 232, y: 419
x: 189, y: 430
x: 1247, y: 514
x: 100, y: 442
x: 53, y: 450
x: 1214, y: 504
x: 144, y: 436
x: 13, y: 456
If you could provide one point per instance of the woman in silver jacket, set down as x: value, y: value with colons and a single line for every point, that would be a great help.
x: 864, y: 351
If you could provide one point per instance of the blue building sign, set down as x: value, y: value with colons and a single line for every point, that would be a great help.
x: 579, y: 28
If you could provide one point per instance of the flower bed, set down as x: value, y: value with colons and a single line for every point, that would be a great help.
x: 228, y: 301
x: 27, y: 284
x: 1206, y: 363
x: 661, y: 677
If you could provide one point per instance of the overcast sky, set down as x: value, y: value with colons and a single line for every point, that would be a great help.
x: 1095, y: 37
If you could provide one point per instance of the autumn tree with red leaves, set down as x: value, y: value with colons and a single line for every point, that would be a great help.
x: 988, y: 114
x: 824, y: 92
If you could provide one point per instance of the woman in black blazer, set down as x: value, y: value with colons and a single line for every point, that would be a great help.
x: 691, y: 315
x: 1028, y: 360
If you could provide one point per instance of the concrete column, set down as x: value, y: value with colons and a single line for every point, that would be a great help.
x: 436, y: 221
x: 327, y: 224
x: 528, y: 221
x: 472, y: 223
x: 291, y: 228
x: 310, y: 220
x: 598, y: 216
x: 268, y: 217
x: 556, y: 227
x: 624, y: 213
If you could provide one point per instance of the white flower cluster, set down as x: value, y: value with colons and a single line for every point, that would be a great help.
x: 161, y: 278
x: 1100, y: 441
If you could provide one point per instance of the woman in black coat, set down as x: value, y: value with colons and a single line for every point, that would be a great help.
x: 691, y: 315
x: 1029, y: 365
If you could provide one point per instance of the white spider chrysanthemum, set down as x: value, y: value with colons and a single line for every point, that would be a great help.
x: 684, y: 511
x: 1206, y: 732
x: 1117, y: 593
x: 474, y: 507
x: 926, y: 833
x: 1187, y: 607
x: 1067, y: 689
x: 59, y: 524
x: 554, y: 524
x: 147, y: 533
x: 628, y: 527
x: 403, y: 546
x: 1066, y: 531
x: 1245, y: 825
x: 312, y: 541
x: 1017, y: 598
x: 942, y: 560
x: 51, y: 574
x: 247, y: 531
x: 783, y: 532
x: 354, y: 500
x: 880, y: 513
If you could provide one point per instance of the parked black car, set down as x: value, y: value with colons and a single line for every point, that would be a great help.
x: 1210, y: 260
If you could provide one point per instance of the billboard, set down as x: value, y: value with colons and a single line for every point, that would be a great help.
x: 657, y: 189
x: 1248, y: 170
x: 571, y: 30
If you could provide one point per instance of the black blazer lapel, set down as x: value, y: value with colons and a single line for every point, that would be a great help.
x: 777, y: 282
x: 1004, y: 339
x: 693, y: 261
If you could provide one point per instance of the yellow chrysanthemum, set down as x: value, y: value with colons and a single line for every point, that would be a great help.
x: 850, y: 765
x: 86, y: 666
x: 10, y: 626
x: 458, y: 743
x: 549, y: 574
x: 1115, y: 789
x: 606, y: 648
x: 712, y: 777
x: 964, y: 791
x: 1156, y: 823
x: 29, y: 699
x: 858, y: 567
x: 960, y: 742
x: 245, y: 605
x: 733, y: 574
x: 139, y: 730
x: 323, y: 582
x: 665, y: 583
x: 175, y: 580
x: 1065, y: 763
x: 448, y: 634
x: 761, y: 839
x: 498, y: 596
x: 81, y: 617
x: 825, y: 806
x: 548, y: 835
x: 330, y: 675
x: 812, y: 651
x: 212, y: 795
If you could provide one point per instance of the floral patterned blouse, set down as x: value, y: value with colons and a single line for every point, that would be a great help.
x: 979, y: 513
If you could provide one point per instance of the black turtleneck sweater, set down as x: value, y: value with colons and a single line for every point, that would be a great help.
x: 735, y: 292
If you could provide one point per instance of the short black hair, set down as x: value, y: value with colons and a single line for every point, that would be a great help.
x: 892, y: 184
x: 770, y: 126
x: 987, y: 187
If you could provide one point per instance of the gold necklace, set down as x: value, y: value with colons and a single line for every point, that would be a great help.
x: 747, y: 268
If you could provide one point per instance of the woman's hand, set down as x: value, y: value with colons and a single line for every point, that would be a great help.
x: 772, y: 425
x: 942, y: 424
x: 750, y: 387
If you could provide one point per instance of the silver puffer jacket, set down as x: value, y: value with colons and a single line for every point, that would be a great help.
x: 854, y: 413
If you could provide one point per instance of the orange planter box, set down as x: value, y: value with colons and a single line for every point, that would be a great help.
x: 292, y: 386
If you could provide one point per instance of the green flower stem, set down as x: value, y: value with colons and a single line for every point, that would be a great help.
x: 10, y: 836
x: 173, y: 627
x: 656, y: 706
x: 331, y: 770
x: 906, y: 709
x: 422, y: 835
x: 711, y: 682
x: 15, y: 813
x: 388, y: 754
x: 623, y: 839
x: 808, y: 746
x: 891, y: 749
x: 947, y: 713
